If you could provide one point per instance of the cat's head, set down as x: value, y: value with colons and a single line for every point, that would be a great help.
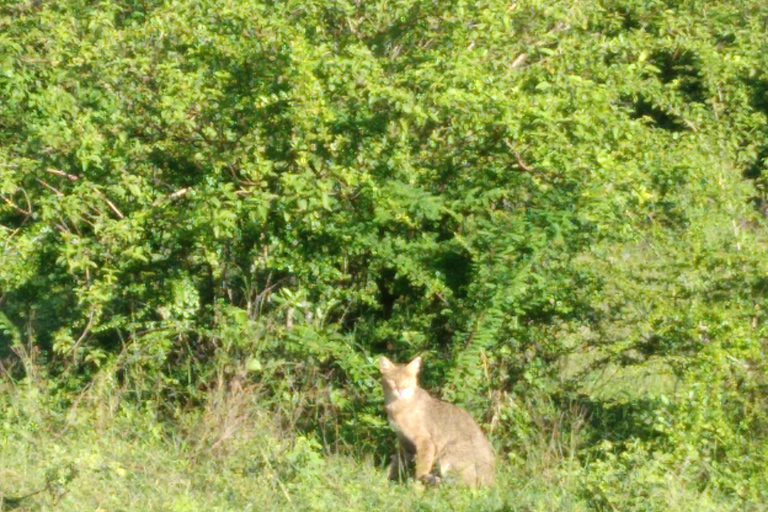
x: 399, y: 380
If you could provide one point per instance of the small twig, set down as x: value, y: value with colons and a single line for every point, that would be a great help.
x: 276, y: 476
x: 63, y: 226
x: 520, y: 162
x: 85, y: 333
x: 109, y: 203
x: 178, y: 193
x: 114, y: 208
x: 15, y: 206
x: 72, y: 413
x: 172, y: 196
x: 519, y: 61
x: 11, y: 502
x: 61, y: 173
x: 56, y: 191
x: 29, y: 203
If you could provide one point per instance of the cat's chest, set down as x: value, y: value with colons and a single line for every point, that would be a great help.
x: 406, y: 418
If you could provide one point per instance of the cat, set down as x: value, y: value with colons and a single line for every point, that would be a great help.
x: 441, y: 438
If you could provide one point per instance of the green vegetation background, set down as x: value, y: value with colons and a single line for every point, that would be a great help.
x: 215, y: 215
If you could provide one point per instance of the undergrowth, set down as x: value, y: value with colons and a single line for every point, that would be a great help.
x: 233, y: 455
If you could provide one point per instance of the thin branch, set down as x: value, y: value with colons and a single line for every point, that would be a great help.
x: 61, y: 173
x: 26, y: 198
x: 172, y: 196
x: 15, y: 206
x: 520, y: 162
x: 6, y: 243
x: 63, y: 226
x: 519, y: 61
x: 56, y: 191
x: 114, y: 208
x: 110, y: 203
x: 85, y: 333
x: 179, y: 193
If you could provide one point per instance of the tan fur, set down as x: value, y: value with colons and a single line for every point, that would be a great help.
x: 440, y: 437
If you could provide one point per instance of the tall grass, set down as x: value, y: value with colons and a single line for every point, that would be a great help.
x: 234, y: 454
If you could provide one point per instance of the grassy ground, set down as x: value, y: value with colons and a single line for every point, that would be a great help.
x: 115, y: 458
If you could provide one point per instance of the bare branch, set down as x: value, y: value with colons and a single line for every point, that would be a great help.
x: 56, y: 191
x: 520, y: 161
x: 519, y: 61
x: 110, y: 203
x: 15, y: 206
x: 172, y: 196
x: 85, y: 333
x: 61, y: 173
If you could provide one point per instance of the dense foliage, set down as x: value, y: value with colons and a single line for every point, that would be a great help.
x: 560, y: 204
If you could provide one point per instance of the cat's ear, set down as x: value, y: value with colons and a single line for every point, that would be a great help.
x: 385, y: 364
x: 415, y: 365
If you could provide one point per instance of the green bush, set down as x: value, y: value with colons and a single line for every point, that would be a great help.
x: 561, y: 205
